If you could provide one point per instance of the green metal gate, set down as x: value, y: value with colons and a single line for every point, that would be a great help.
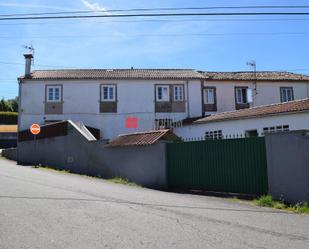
x: 230, y: 165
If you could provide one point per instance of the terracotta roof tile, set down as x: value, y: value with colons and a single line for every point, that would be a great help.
x: 259, y: 111
x: 143, y: 138
x: 260, y: 76
x: 115, y: 74
x: 156, y: 74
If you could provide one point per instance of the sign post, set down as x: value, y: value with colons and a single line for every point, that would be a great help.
x: 35, y: 129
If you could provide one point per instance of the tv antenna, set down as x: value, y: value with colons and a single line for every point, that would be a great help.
x: 30, y: 49
x: 252, y: 64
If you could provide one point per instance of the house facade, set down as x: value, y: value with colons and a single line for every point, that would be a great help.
x: 251, y: 122
x: 111, y: 99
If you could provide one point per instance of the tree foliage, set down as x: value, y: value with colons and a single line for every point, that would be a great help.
x: 10, y: 105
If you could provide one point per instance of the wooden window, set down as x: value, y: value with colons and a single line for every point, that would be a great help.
x: 241, y: 95
x: 286, y: 94
x: 108, y: 93
x: 178, y: 93
x: 209, y: 95
x: 162, y: 93
x: 53, y: 93
x: 210, y: 99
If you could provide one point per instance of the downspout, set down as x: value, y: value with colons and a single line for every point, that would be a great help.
x: 18, y: 117
x: 202, y: 100
x: 307, y: 89
x: 188, y: 100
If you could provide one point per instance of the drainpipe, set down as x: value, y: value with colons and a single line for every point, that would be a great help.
x: 202, y: 100
x: 18, y: 117
x: 188, y: 100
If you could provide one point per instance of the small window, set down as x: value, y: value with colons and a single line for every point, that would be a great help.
x: 278, y: 128
x: 108, y: 93
x: 162, y: 93
x: 286, y: 94
x: 251, y: 133
x: 241, y: 95
x: 178, y: 93
x: 53, y: 93
x: 213, y: 134
x: 209, y: 96
x: 163, y: 123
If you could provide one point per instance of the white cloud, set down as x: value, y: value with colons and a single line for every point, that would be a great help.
x: 93, y: 6
x: 37, y: 6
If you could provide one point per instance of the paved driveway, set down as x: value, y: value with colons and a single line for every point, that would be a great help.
x: 42, y: 208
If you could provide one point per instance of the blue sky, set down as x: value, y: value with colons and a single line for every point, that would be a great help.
x: 204, y: 43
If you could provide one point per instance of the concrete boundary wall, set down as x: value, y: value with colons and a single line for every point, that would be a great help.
x: 288, y: 165
x: 144, y: 165
x: 10, y: 153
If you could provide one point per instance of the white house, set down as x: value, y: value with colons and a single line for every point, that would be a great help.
x: 152, y: 98
x: 251, y: 122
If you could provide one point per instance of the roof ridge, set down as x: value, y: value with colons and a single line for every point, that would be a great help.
x: 262, y: 106
x: 144, y: 132
x: 252, y: 112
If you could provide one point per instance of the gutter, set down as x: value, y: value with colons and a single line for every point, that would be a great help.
x: 188, y: 100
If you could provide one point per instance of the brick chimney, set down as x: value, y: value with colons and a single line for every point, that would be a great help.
x: 28, y: 60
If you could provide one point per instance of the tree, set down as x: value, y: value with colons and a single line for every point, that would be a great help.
x: 10, y: 105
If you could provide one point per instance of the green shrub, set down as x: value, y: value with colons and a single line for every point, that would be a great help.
x: 265, y: 201
x: 300, y: 208
x: 268, y: 201
x: 120, y: 180
x: 8, y: 117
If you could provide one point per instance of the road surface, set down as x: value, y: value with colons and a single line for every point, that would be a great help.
x: 41, y: 208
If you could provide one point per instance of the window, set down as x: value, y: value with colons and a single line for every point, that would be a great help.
x: 209, y: 96
x: 162, y: 93
x: 278, y: 128
x: 286, y: 94
x: 53, y: 93
x: 108, y: 93
x: 178, y: 93
x: 163, y: 123
x: 251, y: 133
x: 213, y: 134
x: 241, y: 95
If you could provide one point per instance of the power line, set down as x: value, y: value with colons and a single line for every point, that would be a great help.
x: 156, y: 15
x: 161, y: 35
x: 163, y: 9
x: 163, y: 20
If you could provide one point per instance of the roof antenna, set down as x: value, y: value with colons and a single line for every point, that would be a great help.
x: 30, y: 50
x: 252, y: 64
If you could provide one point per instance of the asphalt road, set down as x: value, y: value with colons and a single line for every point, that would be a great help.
x: 41, y: 208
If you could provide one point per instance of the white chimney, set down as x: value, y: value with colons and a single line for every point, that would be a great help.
x: 28, y: 58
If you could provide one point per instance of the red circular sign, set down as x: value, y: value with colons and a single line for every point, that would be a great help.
x: 35, y: 129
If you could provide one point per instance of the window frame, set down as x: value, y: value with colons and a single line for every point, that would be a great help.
x: 282, y: 95
x: 53, y: 100
x: 277, y: 128
x: 242, y: 97
x: 157, y: 93
x: 182, y: 93
x: 213, y: 89
x: 108, y: 86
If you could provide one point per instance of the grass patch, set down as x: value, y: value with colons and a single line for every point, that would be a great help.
x: 269, y: 201
x: 50, y: 168
x: 117, y: 180
x: 121, y: 180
